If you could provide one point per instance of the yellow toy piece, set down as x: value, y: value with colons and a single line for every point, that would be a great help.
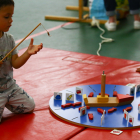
x: 102, y: 99
x: 68, y: 98
x: 85, y: 98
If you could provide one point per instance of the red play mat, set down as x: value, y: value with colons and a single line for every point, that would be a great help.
x: 54, y: 70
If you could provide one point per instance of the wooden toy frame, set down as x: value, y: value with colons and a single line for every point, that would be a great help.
x: 79, y: 8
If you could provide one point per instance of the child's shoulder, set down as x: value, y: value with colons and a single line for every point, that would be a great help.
x: 8, y: 36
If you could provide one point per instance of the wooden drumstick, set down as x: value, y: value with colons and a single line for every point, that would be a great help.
x: 1, y: 61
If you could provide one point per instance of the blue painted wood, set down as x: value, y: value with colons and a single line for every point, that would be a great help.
x: 112, y: 120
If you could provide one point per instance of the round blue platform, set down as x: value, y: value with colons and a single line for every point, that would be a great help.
x: 111, y: 120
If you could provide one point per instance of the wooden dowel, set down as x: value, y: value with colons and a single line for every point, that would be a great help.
x: 76, y: 8
x: 20, y: 42
x: 103, y: 80
x: 80, y: 9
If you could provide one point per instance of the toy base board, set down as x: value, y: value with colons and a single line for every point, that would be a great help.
x: 111, y: 121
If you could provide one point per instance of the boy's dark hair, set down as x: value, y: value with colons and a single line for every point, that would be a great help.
x: 6, y: 3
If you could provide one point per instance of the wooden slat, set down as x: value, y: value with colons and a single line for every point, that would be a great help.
x: 76, y: 8
x: 59, y: 18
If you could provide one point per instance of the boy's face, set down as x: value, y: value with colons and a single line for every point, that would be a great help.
x: 6, y: 13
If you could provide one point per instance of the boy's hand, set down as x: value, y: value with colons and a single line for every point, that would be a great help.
x: 33, y: 49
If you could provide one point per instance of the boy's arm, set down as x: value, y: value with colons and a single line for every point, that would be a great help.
x: 18, y: 61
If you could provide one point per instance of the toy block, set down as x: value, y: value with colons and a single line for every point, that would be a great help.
x: 105, y: 94
x: 66, y: 105
x: 101, y: 110
x: 83, y: 111
x: 57, y: 96
x: 115, y: 93
x: 85, y: 98
x: 125, y: 114
x: 124, y: 98
x: 127, y: 109
x: 69, y: 96
x: 79, y: 91
x: 90, y: 116
x: 102, y: 99
x: 131, y: 119
x: 91, y: 94
x: 84, y: 106
x: 76, y: 104
x: 132, y: 88
x: 112, y: 110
